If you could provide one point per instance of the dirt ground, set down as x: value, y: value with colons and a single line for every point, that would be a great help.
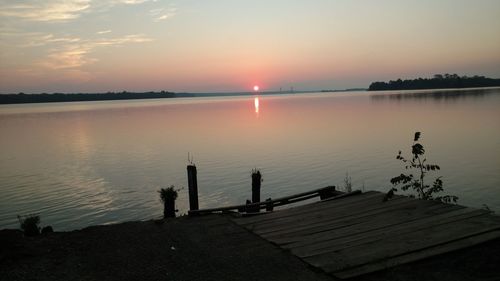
x: 202, y: 248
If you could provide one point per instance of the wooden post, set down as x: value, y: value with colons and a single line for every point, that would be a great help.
x: 193, y: 187
x: 256, y: 180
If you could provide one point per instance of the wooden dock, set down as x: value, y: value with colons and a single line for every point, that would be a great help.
x: 348, y: 236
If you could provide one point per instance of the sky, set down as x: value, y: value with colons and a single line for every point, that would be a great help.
x: 232, y: 45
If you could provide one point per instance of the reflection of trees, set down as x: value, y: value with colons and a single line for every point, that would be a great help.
x: 439, y: 81
x: 448, y: 95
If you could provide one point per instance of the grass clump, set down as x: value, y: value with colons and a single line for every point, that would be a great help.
x: 168, y: 194
x: 29, y: 224
x: 347, y: 183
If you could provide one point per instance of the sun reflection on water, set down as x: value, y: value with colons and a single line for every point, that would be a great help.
x: 256, y: 103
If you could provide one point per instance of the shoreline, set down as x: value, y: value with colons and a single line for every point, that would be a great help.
x: 13, y: 99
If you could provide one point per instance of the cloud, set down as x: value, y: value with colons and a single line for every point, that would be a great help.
x: 133, y: 2
x: 58, y: 10
x: 61, y: 49
x: 61, y: 52
x: 16, y: 38
x: 134, y: 38
x: 55, y: 10
x: 74, y: 55
x: 163, y: 13
x: 69, y: 56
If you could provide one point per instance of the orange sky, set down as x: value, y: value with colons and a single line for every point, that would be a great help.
x: 227, y: 45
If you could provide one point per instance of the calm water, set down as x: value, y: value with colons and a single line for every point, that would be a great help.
x: 79, y: 164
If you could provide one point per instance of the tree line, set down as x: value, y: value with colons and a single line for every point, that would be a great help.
x: 60, y: 97
x: 439, y: 81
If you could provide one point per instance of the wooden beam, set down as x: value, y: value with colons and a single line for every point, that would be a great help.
x: 275, y: 202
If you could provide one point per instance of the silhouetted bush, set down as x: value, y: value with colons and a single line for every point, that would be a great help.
x: 47, y: 229
x: 419, y: 162
x: 29, y: 224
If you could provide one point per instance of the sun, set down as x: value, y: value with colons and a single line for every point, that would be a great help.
x: 256, y: 88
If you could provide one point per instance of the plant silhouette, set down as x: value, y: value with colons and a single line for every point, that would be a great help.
x: 29, y: 224
x: 418, y: 163
x: 168, y: 196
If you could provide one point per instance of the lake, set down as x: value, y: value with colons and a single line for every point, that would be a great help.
x: 86, y: 163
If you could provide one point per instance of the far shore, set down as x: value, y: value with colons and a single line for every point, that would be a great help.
x: 23, y: 98
x: 109, y: 96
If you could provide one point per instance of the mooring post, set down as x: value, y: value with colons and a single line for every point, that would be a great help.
x: 256, y: 180
x: 193, y: 187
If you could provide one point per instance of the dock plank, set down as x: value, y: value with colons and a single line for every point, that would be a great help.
x: 332, y: 243
x: 355, y: 223
x: 408, y: 242
x: 418, y: 255
x: 363, y: 229
x: 359, y: 216
x: 360, y: 234
x: 327, y: 214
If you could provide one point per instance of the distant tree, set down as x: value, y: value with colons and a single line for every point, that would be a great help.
x: 438, y: 81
